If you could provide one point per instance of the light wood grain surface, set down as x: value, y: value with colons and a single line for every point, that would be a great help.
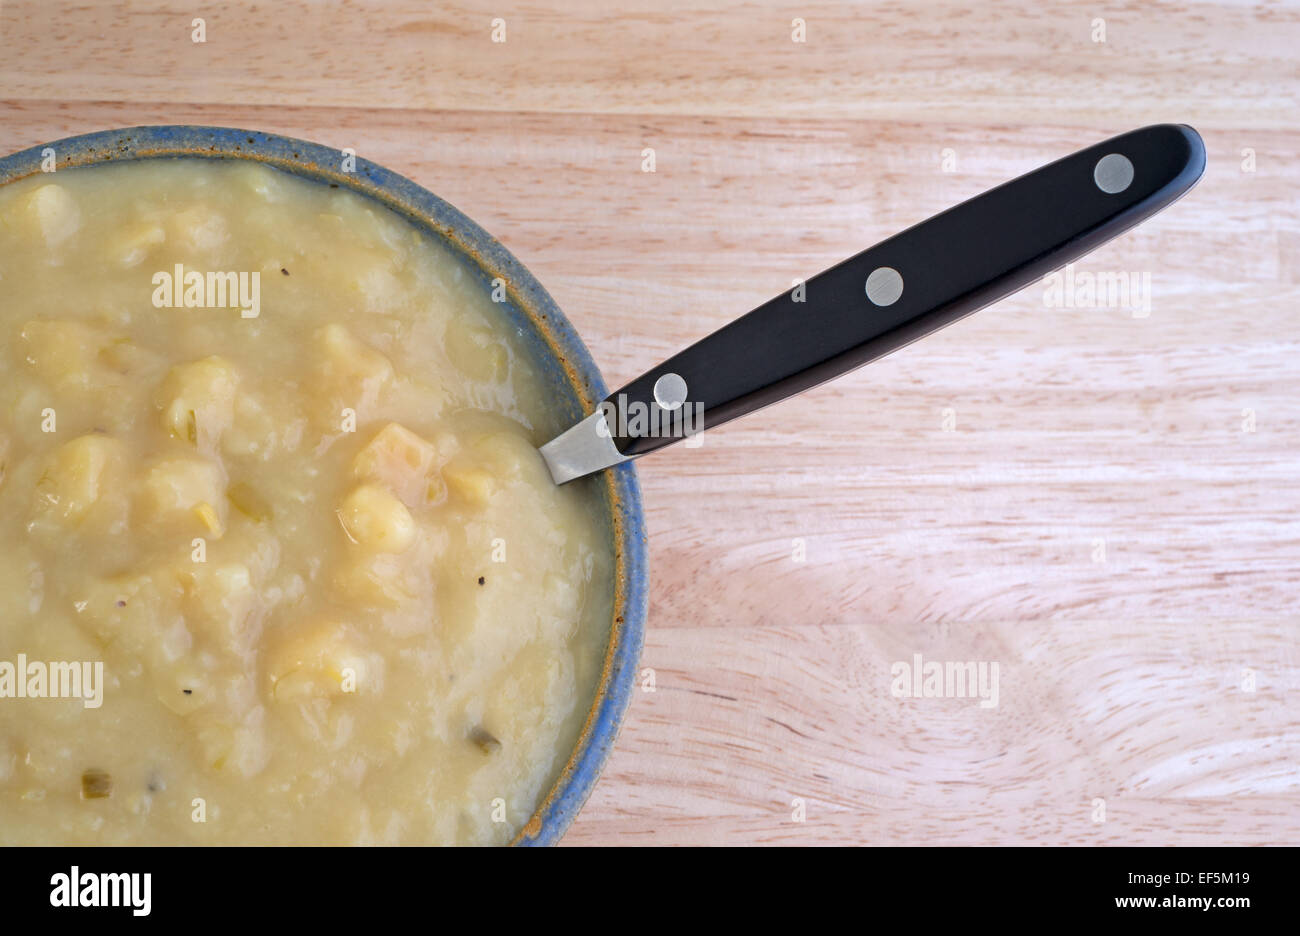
x: 1102, y: 502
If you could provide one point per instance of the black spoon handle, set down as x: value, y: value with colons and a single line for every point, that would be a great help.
x: 912, y: 284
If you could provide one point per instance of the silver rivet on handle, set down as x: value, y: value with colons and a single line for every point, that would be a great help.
x: 1113, y: 173
x: 670, y: 391
x: 884, y: 286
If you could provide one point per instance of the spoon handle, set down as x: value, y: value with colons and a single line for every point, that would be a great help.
x: 902, y: 289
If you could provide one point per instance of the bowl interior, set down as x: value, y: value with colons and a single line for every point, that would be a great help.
x: 573, y: 381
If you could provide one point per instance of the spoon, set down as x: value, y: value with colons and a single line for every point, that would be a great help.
x: 888, y: 296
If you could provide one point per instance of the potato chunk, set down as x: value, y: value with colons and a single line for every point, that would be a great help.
x: 229, y: 742
x: 174, y: 488
x: 375, y: 519
x: 508, y: 455
x: 372, y: 273
x: 470, y: 483
x: 351, y: 373
x: 245, y: 498
x: 220, y: 601
x: 493, y: 462
x: 126, y: 610
x: 478, y: 352
x: 264, y: 182
x: 77, y: 476
x: 136, y: 240
x: 405, y: 463
x: 54, y: 213
x: 379, y: 580
x: 200, y: 227
x: 317, y: 661
x: 66, y: 353
x: 198, y: 401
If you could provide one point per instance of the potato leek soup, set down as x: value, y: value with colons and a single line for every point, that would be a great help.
x: 268, y: 468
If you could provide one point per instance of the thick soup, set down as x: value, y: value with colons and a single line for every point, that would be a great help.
x: 279, y: 562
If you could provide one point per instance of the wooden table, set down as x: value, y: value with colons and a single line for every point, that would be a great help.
x: 1102, y: 500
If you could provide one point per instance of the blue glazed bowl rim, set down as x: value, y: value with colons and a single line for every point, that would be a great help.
x: 555, y: 344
